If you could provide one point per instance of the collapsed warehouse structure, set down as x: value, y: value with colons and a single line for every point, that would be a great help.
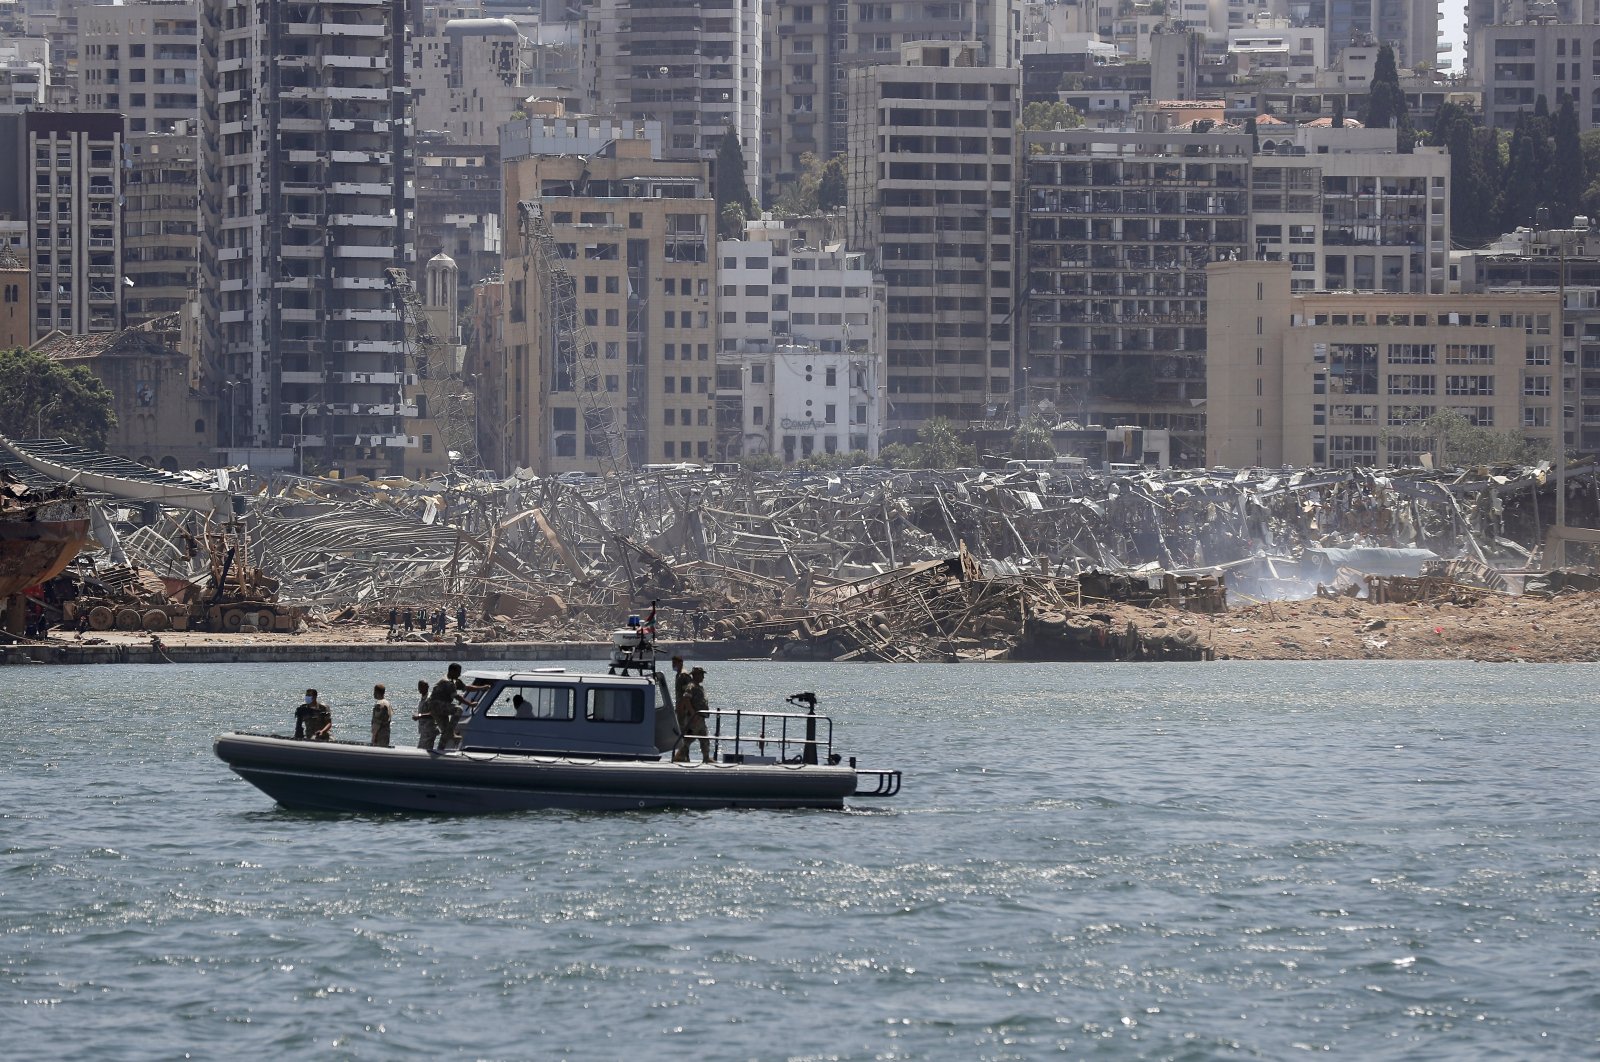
x: 870, y: 563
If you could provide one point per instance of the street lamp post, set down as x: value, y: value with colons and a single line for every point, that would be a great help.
x: 38, y: 417
x: 300, y: 450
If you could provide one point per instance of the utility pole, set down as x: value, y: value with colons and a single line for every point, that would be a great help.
x: 1559, y: 531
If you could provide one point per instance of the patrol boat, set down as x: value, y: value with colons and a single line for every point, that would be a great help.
x: 549, y: 738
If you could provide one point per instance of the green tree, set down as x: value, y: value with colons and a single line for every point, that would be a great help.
x: 1568, y: 178
x: 832, y: 189
x: 1051, y: 115
x: 1456, y: 443
x: 899, y: 455
x: 1032, y: 440
x: 1386, y: 104
x: 799, y: 197
x: 1338, y: 112
x: 939, y: 446
x: 1589, y: 144
x: 730, y: 190
x: 1526, y: 186
x: 1492, y: 160
x: 765, y: 461
x: 1472, y: 198
x: 41, y: 395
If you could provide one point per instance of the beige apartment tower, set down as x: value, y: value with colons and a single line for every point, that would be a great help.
x: 932, y: 163
x: 811, y: 47
x: 1346, y: 379
x: 609, y: 329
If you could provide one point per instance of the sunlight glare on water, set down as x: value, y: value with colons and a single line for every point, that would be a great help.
x: 1187, y: 862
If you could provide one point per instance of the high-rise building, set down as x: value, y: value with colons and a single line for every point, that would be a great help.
x: 694, y: 68
x: 66, y: 179
x: 609, y: 334
x: 469, y: 78
x: 1120, y: 229
x: 1349, y: 210
x: 931, y: 173
x: 161, y: 225
x: 1519, y: 63
x: 142, y: 59
x: 312, y: 192
x: 812, y: 47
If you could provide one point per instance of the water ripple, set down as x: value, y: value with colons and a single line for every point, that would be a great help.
x: 1239, y: 861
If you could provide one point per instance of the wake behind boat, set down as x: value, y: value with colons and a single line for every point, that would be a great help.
x: 549, y: 738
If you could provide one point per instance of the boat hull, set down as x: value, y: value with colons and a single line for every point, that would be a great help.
x: 361, y: 778
x: 38, y: 541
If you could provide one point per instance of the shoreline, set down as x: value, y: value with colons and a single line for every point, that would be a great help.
x: 1494, y: 630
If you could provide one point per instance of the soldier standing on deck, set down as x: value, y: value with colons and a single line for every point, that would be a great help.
x: 680, y: 703
x: 382, y: 717
x: 696, y: 715
x: 427, y: 732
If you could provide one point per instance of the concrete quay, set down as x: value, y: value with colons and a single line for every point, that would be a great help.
x: 301, y: 650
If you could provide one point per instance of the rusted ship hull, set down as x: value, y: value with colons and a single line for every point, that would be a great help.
x: 38, y: 540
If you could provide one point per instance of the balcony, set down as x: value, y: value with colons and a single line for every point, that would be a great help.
x: 377, y: 221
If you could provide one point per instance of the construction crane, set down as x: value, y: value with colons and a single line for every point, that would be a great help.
x: 428, y: 359
x: 577, y: 356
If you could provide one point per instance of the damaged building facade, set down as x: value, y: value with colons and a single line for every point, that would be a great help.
x: 1342, y: 379
x: 610, y: 329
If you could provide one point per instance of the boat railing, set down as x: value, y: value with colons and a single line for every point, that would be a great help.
x: 741, y: 736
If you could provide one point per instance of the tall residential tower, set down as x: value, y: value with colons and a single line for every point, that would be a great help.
x: 307, y: 116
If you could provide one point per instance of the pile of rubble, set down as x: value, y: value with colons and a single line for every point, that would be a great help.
x: 869, y: 563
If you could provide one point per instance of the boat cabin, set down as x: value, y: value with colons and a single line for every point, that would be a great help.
x: 551, y: 710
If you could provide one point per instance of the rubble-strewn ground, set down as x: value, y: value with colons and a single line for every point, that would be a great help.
x: 1050, y: 563
x: 1528, y: 629
x: 1559, y: 630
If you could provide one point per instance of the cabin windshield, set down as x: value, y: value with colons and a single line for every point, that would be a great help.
x: 548, y: 703
x: 615, y: 706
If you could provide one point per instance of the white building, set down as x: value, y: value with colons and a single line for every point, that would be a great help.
x: 802, y: 340
x: 1273, y: 46
x: 24, y: 72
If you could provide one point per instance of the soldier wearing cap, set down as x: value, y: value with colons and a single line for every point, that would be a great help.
x: 692, y: 709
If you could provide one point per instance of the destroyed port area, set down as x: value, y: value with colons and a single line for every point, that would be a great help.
x: 1026, y: 561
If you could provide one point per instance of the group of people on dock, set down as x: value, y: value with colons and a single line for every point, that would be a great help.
x: 439, y: 710
x: 420, y: 619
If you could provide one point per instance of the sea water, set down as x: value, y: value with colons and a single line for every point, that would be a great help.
x: 1232, y: 860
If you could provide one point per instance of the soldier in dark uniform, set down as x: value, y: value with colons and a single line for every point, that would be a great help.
x: 695, y: 717
x: 302, y: 715
x: 319, y: 724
